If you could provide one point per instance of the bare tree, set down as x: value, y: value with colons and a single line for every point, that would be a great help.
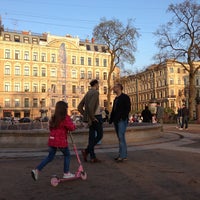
x: 179, y: 40
x: 121, y: 44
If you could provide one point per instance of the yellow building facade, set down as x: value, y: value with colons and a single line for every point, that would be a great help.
x: 166, y: 83
x: 37, y: 70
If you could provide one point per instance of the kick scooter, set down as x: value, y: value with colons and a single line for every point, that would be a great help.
x: 80, y: 173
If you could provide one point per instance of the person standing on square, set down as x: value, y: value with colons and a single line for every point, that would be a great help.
x: 120, y: 117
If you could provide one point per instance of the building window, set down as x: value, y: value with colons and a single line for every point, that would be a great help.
x: 73, y: 73
x: 53, y: 102
x: 88, y: 47
x: 103, y: 48
x: 53, y: 58
x: 74, y: 89
x: 43, y: 72
x: 7, y: 53
x: 35, y: 41
x: 96, y: 48
x: 43, y: 57
x: 171, y: 70
x: 74, y: 103
x: 35, y: 102
x: 17, y: 87
x: 35, y: 56
x: 105, y: 76
x: 97, y: 61
x: 53, y: 72
x: 43, y: 103
x: 35, y: 87
x: 53, y: 88
x: 82, y: 89
x: 7, y: 87
x: 26, y: 71
x: 17, y: 70
x: 73, y: 60
x: 26, y: 40
x: 97, y: 75
x: 171, y: 81
x: 105, y: 62
x: 7, y: 103
x: 26, y: 55
x: 16, y: 38
x: 35, y: 71
x: 178, y: 70
x: 7, y: 37
x: 26, y: 102
x: 43, y: 88
x: 171, y: 92
x: 82, y: 74
x: 63, y: 89
x: 105, y: 90
x: 89, y: 75
x: 26, y: 87
x: 82, y: 60
x: 17, y: 104
x: 17, y: 55
x: 89, y: 61
x: 7, y: 70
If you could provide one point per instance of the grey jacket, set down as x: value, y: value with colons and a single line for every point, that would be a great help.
x: 160, y: 112
x: 88, y: 105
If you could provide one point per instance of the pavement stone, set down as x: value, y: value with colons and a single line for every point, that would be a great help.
x: 166, y: 168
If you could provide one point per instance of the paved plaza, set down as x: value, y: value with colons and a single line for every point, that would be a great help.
x: 167, y: 168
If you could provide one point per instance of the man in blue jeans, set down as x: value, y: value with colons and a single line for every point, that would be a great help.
x: 90, y: 109
x: 119, y: 116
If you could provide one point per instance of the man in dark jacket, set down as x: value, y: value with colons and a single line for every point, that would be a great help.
x: 185, y: 117
x: 119, y: 116
x: 146, y: 115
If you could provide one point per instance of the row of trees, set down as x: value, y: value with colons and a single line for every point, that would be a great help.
x: 179, y: 39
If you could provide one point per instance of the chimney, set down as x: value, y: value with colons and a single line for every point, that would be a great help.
x: 93, y: 40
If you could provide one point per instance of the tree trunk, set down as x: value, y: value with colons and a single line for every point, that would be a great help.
x: 192, y: 95
x: 109, y: 91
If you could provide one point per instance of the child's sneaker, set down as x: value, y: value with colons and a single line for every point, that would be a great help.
x: 35, y: 174
x: 68, y: 175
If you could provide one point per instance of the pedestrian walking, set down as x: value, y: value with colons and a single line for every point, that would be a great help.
x: 59, y: 126
x: 120, y: 117
x: 185, y: 117
x: 90, y: 109
x: 160, y: 115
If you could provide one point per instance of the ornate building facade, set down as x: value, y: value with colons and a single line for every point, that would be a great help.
x: 166, y: 83
x: 37, y: 70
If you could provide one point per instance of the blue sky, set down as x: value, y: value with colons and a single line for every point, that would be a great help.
x: 78, y: 18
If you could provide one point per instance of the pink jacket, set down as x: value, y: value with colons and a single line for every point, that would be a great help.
x: 58, y: 136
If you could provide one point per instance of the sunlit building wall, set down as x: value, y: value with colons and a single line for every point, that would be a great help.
x: 166, y: 83
x: 34, y: 77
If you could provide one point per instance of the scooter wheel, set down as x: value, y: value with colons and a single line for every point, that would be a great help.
x: 83, y: 175
x: 54, y: 181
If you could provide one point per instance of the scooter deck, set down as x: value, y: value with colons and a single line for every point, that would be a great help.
x: 55, y: 180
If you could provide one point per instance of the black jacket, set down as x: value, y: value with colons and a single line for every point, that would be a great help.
x: 121, y: 108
